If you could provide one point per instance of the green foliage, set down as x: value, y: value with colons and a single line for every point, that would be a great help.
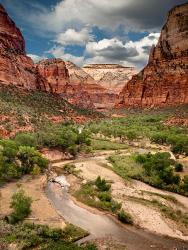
x: 143, y: 125
x: 16, y: 160
x: 179, y: 167
x: 65, y: 137
x: 155, y: 169
x: 125, y: 217
x: 26, y: 139
x: 99, y: 144
x: 31, y: 158
x: 21, y: 205
x: 69, y: 169
x: 98, y: 195
x: 102, y: 185
x: 31, y: 236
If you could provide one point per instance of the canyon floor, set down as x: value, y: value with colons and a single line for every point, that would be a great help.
x: 130, y: 193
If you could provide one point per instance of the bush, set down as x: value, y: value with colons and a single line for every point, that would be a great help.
x: 31, y: 158
x: 179, y: 167
x: 105, y: 196
x: 125, y: 217
x: 26, y: 139
x: 102, y: 185
x: 21, y: 205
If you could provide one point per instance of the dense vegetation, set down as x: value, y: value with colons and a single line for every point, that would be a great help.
x: 155, y: 169
x: 98, y: 194
x: 17, y: 160
x: 30, y: 236
x: 142, y: 126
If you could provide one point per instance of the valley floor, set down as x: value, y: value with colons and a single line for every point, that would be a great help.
x: 131, y: 193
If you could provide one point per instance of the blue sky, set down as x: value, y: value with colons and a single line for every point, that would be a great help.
x: 90, y: 31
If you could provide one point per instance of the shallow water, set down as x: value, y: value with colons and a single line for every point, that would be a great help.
x: 101, y: 225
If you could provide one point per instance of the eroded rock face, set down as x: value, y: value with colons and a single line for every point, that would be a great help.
x: 15, y: 67
x: 164, y: 81
x: 89, y: 89
x: 110, y: 76
x: 55, y: 73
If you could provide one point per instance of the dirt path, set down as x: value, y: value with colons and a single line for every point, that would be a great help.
x: 145, y: 216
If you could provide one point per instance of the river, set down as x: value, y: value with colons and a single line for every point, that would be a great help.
x: 101, y: 225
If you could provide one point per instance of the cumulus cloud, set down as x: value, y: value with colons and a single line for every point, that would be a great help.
x: 115, y: 51
x: 71, y: 36
x: 36, y: 58
x: 132, y: 14
x: 111, y: 49
x: 59, y: 52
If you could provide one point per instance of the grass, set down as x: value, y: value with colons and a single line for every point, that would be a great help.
x: 29, y: 236
x: 99, y: 144
x: 99, y: 196
x: 126, y: 167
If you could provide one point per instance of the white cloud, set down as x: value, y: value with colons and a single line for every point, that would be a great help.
x: 75, y: 14
x: 111, y: 49
x: 71, y: 36
x: 115, y: 51
x: 58, y: 52
x: 36, y: 58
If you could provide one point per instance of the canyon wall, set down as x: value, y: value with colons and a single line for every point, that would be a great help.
x: 15, y: 67
x: 110, y: 76
x: 164, y: 81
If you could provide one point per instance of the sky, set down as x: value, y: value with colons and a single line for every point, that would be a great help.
x: 90, y: 31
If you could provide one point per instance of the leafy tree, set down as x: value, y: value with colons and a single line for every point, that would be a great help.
x: 21, y: 205
x: 29, y: 158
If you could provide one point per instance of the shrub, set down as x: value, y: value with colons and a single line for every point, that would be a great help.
x: 26, y: 139
x: 69, y: 169
x: 185, y: 183
x: 21, y: 205
x: 105, y: 196
x: 125, y: 217
x: 30, y: 158
x: 101, y: 184
x: 179, y: 167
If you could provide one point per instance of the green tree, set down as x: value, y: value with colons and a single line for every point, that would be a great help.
x: 21, y: 205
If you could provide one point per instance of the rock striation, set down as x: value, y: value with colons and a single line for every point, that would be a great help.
x: 87, y: 88
x: 164, y: 81
x: 15, y: 67
x: 110, y: 76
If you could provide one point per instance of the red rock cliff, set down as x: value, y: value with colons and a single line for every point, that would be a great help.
x: 164, y: 81
x: 85, y: 85
x: 15, y: 67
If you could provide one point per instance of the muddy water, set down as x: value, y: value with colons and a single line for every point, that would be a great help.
x: 100, y: 225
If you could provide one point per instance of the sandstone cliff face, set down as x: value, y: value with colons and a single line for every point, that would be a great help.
x: 15, y: 67
x: 85, y: 84
x: 164, y: 81
x: 110, y: 76
x: 55, y: 74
